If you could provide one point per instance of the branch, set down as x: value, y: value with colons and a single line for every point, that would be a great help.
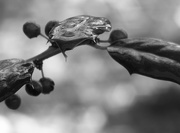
x: 51, y: 51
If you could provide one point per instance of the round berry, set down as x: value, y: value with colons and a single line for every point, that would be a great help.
x: 31, y: 29
x: 49, y: 26
x: 117, y: 34
x: 34, y: 88
x: 48, y: 85
x: 13, y: 102
x: 98, y: 31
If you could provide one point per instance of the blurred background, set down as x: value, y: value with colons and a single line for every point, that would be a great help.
x: 93, y: 93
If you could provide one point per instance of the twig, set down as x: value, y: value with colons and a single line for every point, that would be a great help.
x: 51, y: 51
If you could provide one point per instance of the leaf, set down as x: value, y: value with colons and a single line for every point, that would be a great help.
x: 150, y: 57
x: 82, y: 27
x: 14, y: 73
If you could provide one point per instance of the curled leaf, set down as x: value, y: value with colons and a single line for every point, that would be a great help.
x: 149, y: 57
x: 82, y: 26
x: 82, y: 29
x: 14, y: 73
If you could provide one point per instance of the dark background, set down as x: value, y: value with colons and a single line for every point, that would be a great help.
x: 93, y: 93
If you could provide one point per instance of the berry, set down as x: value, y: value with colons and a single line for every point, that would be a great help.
x: 50, y: 25
x: 13, y: 102
x: 48, y: 85
x: 98, y: 31
x: 117, y: 34
x: 34, y: 88
x: 31, y: 29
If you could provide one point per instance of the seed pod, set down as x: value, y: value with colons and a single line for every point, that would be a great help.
x: 13, y: 102
x: 31, y: 29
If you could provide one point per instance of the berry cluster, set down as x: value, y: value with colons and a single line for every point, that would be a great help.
x: 45, y: 85
x: 32, y: 30
x: 34, y: 88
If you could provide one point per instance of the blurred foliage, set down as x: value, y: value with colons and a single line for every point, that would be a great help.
x: 156, y: 113
x: 93, y: 93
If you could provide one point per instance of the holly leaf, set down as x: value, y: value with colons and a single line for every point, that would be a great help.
x: 150, y: 57
x: 14, y: 73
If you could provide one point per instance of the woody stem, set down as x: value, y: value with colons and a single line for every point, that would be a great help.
x: 51, y: 51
